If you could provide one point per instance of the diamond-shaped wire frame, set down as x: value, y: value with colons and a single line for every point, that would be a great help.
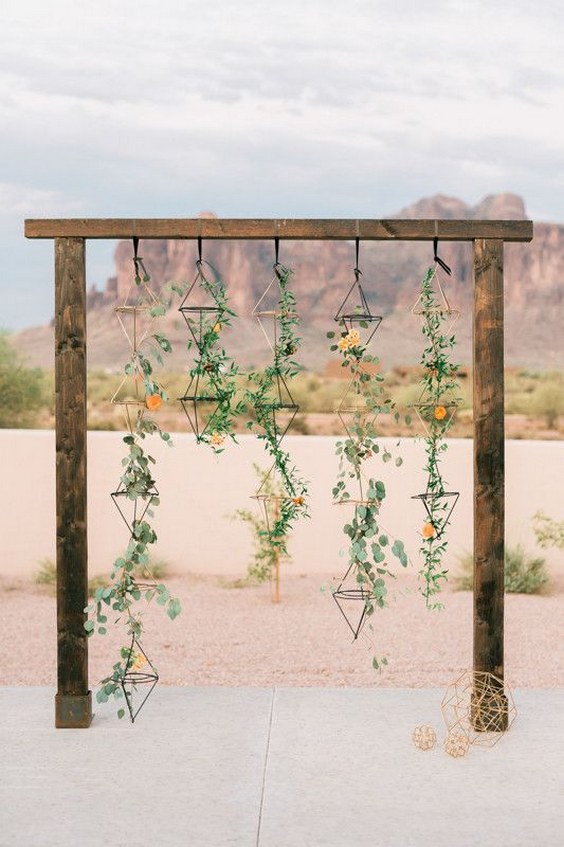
x: 439, y: 506
x: 480, y: 705
x: 268, y: 313
x: 271, y: 494
x: 352, y: 599
x: 280, y: 408
x: 356, y: 413
x: 133, y: 511
x: 354, y: 313
x: 134, y: 314
x: 199, y: 308
x: 443, y: 309
x: 130, y: 396
x: 201, y: 406
x: 139, y: 671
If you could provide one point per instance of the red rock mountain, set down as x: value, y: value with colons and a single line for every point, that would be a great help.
x: 534, y: 275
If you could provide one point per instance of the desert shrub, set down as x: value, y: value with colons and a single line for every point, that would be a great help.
x: 524, y: 574
x: 22, y: 389
x: 550, y: 533
x: 47, y: 574
x: 548, y: 401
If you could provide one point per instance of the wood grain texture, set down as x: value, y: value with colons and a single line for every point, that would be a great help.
x: 70, y: 419
x: 489, y: 458
x: 288, y: 229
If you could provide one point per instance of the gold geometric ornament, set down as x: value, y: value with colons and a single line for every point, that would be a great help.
x: 479, y: 705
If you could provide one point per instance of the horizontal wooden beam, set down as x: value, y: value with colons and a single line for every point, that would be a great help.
x: 288, y: 229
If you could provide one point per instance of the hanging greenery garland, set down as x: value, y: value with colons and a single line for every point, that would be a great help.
x: 268, y: 395
x: 435, y: 409
x: 131, y: 581
x: 209, y: 399
x: 363, y: 588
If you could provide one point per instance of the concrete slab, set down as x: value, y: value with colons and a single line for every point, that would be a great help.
x: 190, y: 771
x: 209, y: 767
x: 342, y: 771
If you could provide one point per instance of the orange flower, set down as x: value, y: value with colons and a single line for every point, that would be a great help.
x: 216, y: 439
x: 153, y: 402
x: 428, y: 530
x: 354, y: 337
x: 298, y: 501
x: 440, y: 413
x: 217, y: 328
x: 343, y: 343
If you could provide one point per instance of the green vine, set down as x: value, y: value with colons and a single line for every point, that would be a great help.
x: 129, y: 580
x: 369, y: 545
x: 436, y: 407
x: 268, y: 395
x: 213, y: 373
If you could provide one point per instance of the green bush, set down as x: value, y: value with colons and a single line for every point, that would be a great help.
x: 47, y: 574
x: 22, y: 389
x: 524, y: 574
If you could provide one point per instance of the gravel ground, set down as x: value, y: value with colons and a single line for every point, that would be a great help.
x: 238, y: 636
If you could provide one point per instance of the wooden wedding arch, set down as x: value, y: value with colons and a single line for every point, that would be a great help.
x: 73, y: 701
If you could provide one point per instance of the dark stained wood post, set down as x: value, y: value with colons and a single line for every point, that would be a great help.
x: 73, y: 702
x: 489, y: 458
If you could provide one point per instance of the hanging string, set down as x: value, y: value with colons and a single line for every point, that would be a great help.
x: 357, y: 271
x: 437, y: 258
x: 199, y: 249
x: 276, y: 251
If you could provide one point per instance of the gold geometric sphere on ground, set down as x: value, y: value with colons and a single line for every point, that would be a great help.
x: 424, y: 737
x: 478, y: 704
x: 457, y: 743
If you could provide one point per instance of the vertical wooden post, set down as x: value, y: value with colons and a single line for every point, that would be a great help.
x: 276, y: 555
x: 73, y: 702
x: 489, y: 458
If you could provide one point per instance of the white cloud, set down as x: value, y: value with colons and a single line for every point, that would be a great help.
x: 324, y: 107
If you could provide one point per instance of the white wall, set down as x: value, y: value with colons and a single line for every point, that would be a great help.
x: 199, y: 490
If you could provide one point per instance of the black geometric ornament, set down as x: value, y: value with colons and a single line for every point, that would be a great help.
x: 133, y: 510
x: 139, y: 671
x: 353, y: 600
x: 439, y: 506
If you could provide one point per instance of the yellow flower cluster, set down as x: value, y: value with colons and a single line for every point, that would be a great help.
x: 137, y: 661
x: 351, y: 339
x: 216, y: 439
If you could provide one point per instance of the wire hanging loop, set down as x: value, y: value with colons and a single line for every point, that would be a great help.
x: 141, y: 274
x: 199, y: 260
x: 276, y: 252
x: 438, y: 259
x: 357, y: 271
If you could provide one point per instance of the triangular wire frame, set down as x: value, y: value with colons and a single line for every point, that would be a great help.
x: 349, y: 595
x: 426, y: 413
x: 138, y: 509
x: 430, y: 501
x: 139, y: 670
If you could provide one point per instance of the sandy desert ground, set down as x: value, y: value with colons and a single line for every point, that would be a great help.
x: 238, y: 636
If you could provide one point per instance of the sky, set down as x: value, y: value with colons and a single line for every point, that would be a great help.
x: 249, y: 108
